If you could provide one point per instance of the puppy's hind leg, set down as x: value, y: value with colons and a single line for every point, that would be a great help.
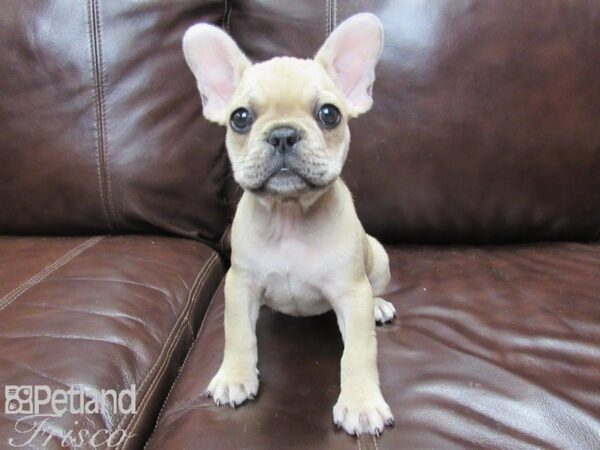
x: 384, y: 311
x: 378, y: 267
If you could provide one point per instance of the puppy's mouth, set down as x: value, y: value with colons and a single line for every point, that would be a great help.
x: 285, y: 181
x: 288, y: 175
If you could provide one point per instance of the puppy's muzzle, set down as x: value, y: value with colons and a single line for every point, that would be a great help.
x: 283, y: 139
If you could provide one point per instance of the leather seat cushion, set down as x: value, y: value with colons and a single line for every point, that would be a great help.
x: 492, y: 347
x: 103, y: 312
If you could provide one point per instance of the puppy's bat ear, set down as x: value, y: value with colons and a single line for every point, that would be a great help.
x: 217, y: 63
x: 350, y: 55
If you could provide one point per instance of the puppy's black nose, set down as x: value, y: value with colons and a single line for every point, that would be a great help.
x: 283, y: 138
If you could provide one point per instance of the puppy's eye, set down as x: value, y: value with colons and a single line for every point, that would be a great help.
x: 241, y: 120
x: 328, y: 115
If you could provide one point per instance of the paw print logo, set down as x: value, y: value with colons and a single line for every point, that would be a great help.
x: 18, y: 399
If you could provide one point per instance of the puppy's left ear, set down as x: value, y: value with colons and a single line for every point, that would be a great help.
x: 350, y: 55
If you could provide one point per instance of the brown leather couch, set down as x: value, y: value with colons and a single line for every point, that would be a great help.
x: 478, y: 167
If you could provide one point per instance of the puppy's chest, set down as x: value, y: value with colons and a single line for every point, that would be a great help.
x: 292, y: 274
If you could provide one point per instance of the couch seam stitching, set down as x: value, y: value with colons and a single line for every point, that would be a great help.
x: 93, y: 69
x: 327, y: 15
x: 229, y: 17
x: 99, y: 107
x: 47, y: 271
x: 174, y: 335
x: 169, y: 343
x: 334, y: 16
x: 102, y: 80
x: 226, y: 16
x: 207, y: 269
x: 208, y: 308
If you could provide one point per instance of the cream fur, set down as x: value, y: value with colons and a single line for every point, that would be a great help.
x: 301, y: 251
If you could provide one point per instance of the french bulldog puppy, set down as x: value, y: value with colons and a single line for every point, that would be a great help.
x: 297, y: 243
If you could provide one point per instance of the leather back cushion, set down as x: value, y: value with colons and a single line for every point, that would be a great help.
x: 486, y: 124
x: 100, y: 121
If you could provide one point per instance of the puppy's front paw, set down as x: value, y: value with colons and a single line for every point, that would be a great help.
x: 362, y: 414
x: 384, y: 311
x: 232, y: 387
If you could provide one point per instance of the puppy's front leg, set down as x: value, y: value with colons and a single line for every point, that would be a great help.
x: 360, y: 407
x: 237, y: 379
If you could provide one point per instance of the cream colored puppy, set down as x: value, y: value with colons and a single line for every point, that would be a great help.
x: 297, y: 244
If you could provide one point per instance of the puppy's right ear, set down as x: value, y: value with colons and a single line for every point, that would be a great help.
x: 217, y: 63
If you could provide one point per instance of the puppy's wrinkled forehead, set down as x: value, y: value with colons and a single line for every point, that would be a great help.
x: 285, y: 86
